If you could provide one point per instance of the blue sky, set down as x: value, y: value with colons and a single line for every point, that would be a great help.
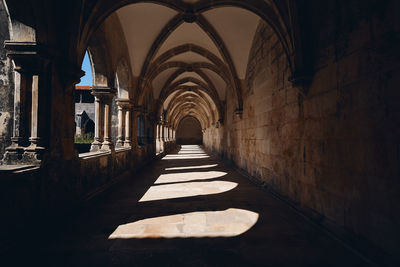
x: 87, y: 79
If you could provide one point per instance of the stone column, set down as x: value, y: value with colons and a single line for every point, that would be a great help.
x: 156, y: 137
x: 166, y: 132
x: 121, y: 125
x: 124, y: 123
x: 38, y: 119
x: 162, y: 136
x: 98, y: 138
x: 20, y: 126
x: 128, y: 140
x: 30, y: 102
x: 107, y: 143
x: 103, y: 101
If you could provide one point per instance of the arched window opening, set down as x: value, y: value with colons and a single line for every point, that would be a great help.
x: 84, y: 109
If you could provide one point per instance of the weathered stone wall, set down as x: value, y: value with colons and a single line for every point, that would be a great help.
x: 6, y: 85
x: 334, y: 150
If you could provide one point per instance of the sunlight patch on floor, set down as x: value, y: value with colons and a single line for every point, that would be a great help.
x: 226, y: 223
x: 191, y: 167
x: 171, y: 191
x: 185, y: 156
x: 190, y: 151
x: 188, y: 176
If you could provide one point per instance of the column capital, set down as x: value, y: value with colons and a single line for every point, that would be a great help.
x: 28, y: 57
x: 124, y: 103
x: 103, y: 92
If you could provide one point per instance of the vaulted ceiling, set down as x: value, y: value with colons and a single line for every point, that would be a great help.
x: 188, y: 60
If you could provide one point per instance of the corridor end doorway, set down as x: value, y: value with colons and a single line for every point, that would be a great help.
x: 189, y: 132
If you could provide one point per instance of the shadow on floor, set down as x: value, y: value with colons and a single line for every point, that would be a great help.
x: 184, y: 197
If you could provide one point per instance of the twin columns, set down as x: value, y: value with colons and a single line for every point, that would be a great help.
x: 31, y: 108
x: 165, y: 134
x: 103, y: 103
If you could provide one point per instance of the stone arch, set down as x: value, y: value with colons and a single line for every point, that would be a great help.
x: 177, y: 102
x: 123, y: 79
x: 216, y: 39
x: 193, y: 67
x: 188, y: 48
x: 99, y: 59
x: 208, y: 86
x: 283, y: 19
x: 22, y: 24
x: 214, y: 100
x: 185, y: 108
x: 202, y: 93
x: 187, y: 112
x: 189, y: 131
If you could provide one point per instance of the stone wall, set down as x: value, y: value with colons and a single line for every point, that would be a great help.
x: 335, y: 149
x: 6, y: 85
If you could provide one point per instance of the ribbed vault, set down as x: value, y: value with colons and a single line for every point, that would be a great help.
x: 190, y: 54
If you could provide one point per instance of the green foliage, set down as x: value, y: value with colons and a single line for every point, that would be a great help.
x: 87, y: 138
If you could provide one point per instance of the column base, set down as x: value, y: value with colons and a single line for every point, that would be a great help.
x: 120, y: 143
x: 13, y: 155
x: 107, y: 145
x: 96, y: 146
x: 162, y: 148
x: 127, y: 143
x: 33, y: 154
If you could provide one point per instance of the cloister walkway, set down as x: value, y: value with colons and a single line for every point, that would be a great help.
x: 188, y: 209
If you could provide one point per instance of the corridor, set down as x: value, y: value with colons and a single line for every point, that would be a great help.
x: 188, y: 209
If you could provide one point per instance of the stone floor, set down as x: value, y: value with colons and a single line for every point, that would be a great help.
x: 187, y: 209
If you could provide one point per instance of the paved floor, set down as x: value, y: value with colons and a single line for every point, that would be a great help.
x: 188, y: 209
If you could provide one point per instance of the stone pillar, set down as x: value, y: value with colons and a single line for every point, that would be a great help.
x: 38, y: 119
x: 20, y: 126
x: 121, y: 125
x: 103, y: 101
x: 107, y: 143
x: 166, y: 132
x: 156, y: 137
x: 162, y: 136
x: 128, y: 140
x: 98, y: 138
x: 124, y: 123
x: 31, y: 113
